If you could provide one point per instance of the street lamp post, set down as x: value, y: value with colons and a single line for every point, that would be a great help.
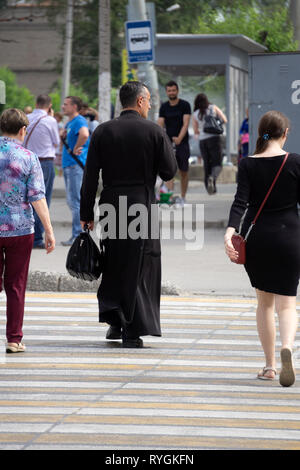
x: 174, y: 7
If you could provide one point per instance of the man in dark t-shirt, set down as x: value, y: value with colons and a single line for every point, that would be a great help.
x: 174, y: 116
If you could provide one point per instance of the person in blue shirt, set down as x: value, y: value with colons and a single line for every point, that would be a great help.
x: 76, y: 140
x: 244, y: 137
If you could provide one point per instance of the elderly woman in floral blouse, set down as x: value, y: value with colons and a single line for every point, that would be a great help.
x: 21, y: 187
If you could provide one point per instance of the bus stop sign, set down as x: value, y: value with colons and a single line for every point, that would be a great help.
x: 139, y: 41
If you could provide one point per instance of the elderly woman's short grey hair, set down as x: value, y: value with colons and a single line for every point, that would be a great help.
x: 12, y: 120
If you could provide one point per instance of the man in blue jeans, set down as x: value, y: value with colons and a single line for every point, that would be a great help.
x: 77, y: 141
x: 43, y: 139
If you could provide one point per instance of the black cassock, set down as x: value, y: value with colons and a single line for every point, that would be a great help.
x: 131, y: 151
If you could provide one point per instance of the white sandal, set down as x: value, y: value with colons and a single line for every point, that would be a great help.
x: 15, y: 347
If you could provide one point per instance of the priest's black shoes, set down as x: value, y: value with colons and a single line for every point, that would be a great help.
x: 132, y: 342
x: 114, y: 332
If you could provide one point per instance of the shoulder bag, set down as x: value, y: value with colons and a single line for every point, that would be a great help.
x: 237, y: 240
x: 26, y: 140
x: 212, y: 124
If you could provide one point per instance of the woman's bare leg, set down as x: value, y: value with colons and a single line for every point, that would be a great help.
x: 288, y: 320
x: 265, y: 320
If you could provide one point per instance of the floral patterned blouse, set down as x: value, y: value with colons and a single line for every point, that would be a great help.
x: 21, y: 182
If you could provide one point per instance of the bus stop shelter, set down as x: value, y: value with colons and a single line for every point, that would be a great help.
x: 207, y: 54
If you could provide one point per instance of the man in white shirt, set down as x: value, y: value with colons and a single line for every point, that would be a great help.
x: 43, y: 139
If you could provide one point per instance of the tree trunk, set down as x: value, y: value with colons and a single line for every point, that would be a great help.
x: 104, y: 84
x: 66, y: 76
x: 295, y: 19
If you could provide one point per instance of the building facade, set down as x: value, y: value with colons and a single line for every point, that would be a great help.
x: 29, y: 46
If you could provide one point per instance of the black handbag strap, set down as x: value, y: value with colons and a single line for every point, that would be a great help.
x: 70, y: 152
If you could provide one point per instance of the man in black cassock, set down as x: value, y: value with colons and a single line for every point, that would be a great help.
x: 131, y: 151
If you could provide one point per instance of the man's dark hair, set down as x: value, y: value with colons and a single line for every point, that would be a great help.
x: 11, y: 121
x: 43, y: 101
x: 172, y: 83
x: 75, y: 100
x: 129, y: 93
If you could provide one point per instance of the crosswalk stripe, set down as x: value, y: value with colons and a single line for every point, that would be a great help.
x: 193, y: 387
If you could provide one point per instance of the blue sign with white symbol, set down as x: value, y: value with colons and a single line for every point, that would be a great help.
x: 139, y: 40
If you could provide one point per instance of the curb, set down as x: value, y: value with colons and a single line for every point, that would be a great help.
x: 41, y: 281
x: 218, y: 224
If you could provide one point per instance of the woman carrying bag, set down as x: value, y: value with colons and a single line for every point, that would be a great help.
x: 209, y: 139
x: 273, y: 245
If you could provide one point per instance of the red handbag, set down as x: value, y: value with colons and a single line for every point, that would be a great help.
x: 239, y: 242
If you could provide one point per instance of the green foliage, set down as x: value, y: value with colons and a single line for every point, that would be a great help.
x: 267, y: 26
x: 265, y: 21
x: 74, y: 91
x: 77, y: 91
x: 85, y: 50
x: 16, y: 97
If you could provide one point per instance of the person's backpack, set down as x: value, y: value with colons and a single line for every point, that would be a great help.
x: 84, y: 260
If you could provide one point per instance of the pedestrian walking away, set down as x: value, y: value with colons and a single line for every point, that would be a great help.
x: 273, y: 244
x: 210, y: 144
x: 131, y: 151
x: 76, y: 141
x: 21, y: 186
x: 174, y: 116
x: 43, y: 140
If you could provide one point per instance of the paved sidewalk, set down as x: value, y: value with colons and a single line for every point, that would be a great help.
x: 193, y: 388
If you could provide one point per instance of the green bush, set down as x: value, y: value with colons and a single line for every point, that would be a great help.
x: 16, y: 96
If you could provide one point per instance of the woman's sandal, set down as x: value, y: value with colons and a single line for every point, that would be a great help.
x: 287, y: 373
x: 262, y: 374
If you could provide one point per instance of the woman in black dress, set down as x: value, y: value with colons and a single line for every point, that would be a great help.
x: 273, y: 246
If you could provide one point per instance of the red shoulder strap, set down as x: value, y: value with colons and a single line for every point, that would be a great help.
x: 271, y: 187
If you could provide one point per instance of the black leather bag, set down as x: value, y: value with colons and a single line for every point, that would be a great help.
x: 85, y: 260
x: 212, y: 125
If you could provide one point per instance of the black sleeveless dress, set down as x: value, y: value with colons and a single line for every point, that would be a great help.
x: 273, y: 246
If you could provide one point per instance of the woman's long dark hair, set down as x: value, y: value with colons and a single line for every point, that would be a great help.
x: 272, y: 125
x: 201, y: 102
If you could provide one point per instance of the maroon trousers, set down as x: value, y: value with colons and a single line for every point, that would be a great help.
x: 14, y: 264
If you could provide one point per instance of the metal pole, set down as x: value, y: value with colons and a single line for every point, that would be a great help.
x: 2, y: 92
x: 104, y: 82
x: 228, y: 112
x: 295, y: 18
x: 146, y: 71
x: 66, y: 75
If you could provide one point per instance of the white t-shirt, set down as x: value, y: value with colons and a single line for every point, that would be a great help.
x: 204, y: 135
